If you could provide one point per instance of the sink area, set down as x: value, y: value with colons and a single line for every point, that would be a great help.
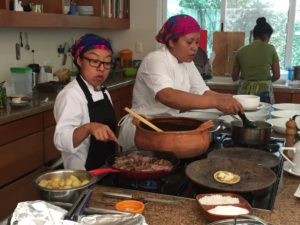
x: 280, y: 82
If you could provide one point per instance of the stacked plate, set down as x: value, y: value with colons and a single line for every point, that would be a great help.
x: 85, y: 10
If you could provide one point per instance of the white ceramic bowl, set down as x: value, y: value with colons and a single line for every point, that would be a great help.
x: 278, y: 124
x: 260, y: 115
x: 284, y: 113
x: 249, y: 102
x: 286, y: 106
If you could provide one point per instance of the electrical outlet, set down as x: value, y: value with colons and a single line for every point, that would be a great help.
x: 138, y: 47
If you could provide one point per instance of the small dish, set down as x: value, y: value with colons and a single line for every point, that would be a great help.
x: 287, y: 167
x: 284, y: 113
x: 132, y: 206
x: 20, y: 104
x: 286, y: 106
x: 297, y: 192
x: 206, y: 208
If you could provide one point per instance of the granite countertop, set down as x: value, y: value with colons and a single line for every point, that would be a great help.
x: 45, y: 101
x: 286, y: 209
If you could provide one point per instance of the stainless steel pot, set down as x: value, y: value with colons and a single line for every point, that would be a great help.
x: 251, y: 136
x: 241, y: 220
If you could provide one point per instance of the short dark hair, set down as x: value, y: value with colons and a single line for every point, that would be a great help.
x: 262, y: 28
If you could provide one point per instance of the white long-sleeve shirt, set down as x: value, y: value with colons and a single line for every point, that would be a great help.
x: 70, y: 112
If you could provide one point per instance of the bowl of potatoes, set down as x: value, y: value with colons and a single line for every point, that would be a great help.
x: 63, y: 185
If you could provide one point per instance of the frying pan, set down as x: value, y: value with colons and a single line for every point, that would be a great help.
x: 260, y: 157
x: 138, y: 175
x: 254, y: 177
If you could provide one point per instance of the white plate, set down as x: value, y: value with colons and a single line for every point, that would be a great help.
x: 278, y: 124
x: 285, y: 113
x: 287, y: 167
x: 208, y: 111
x: 297, y: 192
x: 199, y: 115
x: 286, y: 106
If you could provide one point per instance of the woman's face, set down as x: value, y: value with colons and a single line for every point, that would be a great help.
x: 186, y: 47
x: 95, y: 66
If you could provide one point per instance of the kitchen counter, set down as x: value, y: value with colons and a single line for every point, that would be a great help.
x: 286, y: 209
x: 226, y: 83
x: 45, y: 101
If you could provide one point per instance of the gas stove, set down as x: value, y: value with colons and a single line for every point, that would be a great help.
x: 178, y: 184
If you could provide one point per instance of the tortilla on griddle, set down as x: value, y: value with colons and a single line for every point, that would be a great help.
x: 226, y: 177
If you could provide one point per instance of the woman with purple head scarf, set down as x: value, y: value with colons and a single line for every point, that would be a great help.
x: 85, y: 121
x: 168, y: 81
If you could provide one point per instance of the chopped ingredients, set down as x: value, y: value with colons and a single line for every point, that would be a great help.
x: 218, y: 200
x: 226, y: 177
x: 57, y: 182
x: 228, y: 210
x: 136, y: 162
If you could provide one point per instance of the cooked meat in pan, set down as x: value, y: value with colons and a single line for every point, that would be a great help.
x: 136, y: 162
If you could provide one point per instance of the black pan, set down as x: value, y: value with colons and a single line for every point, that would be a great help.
x: 260, y: 157
x: 254, y: 177
x: 139, y: 175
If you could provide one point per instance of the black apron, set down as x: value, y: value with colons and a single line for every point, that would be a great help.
x: 101, y: 111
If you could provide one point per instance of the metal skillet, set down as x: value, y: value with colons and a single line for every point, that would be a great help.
x: 260, y: 157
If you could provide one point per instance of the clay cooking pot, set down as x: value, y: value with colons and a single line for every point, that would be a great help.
x: 183, y: 136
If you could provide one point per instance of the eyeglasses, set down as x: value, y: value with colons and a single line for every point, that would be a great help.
x: 97, y: 63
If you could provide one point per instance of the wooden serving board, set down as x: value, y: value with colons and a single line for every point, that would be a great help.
x: 225, y: 45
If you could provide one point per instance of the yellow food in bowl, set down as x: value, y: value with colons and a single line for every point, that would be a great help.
x: 57, y: 182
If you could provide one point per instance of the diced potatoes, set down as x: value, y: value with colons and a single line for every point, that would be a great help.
x: 57, y: 182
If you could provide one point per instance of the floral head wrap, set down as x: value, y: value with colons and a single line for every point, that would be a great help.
x: 177, y: 26
x: 89, y: 42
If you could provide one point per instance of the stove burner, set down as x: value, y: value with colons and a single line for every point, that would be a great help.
x: 150, y: 185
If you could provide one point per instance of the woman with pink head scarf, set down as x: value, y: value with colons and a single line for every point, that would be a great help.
x: 84, y: 114
x: 168, y: 81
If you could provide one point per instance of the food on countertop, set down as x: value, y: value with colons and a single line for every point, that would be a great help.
x: 136, y: 162
x: 57, y: 182
x: 226, y: 177
x: 218, y: 200
x: 228, y: 210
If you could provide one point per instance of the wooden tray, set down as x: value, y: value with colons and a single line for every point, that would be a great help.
x: 213, y: 217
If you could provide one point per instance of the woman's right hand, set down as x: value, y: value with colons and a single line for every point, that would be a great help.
x: 102, y: 132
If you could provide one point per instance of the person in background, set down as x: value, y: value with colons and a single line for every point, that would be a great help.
x: 83, y: 109
x: 168, y: 81
x: 253, y: 64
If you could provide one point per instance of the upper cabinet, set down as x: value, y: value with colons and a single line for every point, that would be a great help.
x: 105, y: 14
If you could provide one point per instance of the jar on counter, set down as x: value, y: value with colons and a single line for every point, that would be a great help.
x: 125, y: 58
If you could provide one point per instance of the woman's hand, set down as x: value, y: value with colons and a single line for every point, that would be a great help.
x: 228, y: 104
x: 102, y: 132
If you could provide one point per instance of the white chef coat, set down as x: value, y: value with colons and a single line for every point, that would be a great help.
x: 70, y: 112
x: 159, y: 70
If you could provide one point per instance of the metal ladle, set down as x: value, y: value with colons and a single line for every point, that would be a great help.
x: 246, y: 122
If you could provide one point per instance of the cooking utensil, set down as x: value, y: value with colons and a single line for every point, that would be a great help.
x: 254, y: 177
x: 251, y: 136
x: 27, y: 46
x: 183, y: 136
x: 79, y: 206
x: 246, y: 122
x: 66, y: 50
x: 241, y: 220
x: 18, y: 51
x: 125, y: 196
x: 64, y: 195
x: 138, y: 175
x: 142, y: 119
x: 260, y: 157
x: 21, y: 40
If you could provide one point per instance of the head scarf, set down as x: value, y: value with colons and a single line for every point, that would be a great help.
x: 89, y: 42
x: 177, y: 26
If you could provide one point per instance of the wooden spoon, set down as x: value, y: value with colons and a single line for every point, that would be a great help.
x: 142, y: 119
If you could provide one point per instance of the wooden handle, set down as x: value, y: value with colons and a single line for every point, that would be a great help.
x: 142, y: 119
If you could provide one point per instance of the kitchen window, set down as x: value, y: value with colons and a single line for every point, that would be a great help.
x: 241, y: 15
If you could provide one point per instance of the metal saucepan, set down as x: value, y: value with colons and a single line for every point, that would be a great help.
x: 251, y: 136
x: 260, y: 157
x: 139, y: 175
x: 254, y: 177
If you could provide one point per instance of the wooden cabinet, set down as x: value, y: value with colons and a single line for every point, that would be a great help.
x: 296, y: 98
x: 53, y: 16
x: 121, y: 98
x: 282, y: 97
